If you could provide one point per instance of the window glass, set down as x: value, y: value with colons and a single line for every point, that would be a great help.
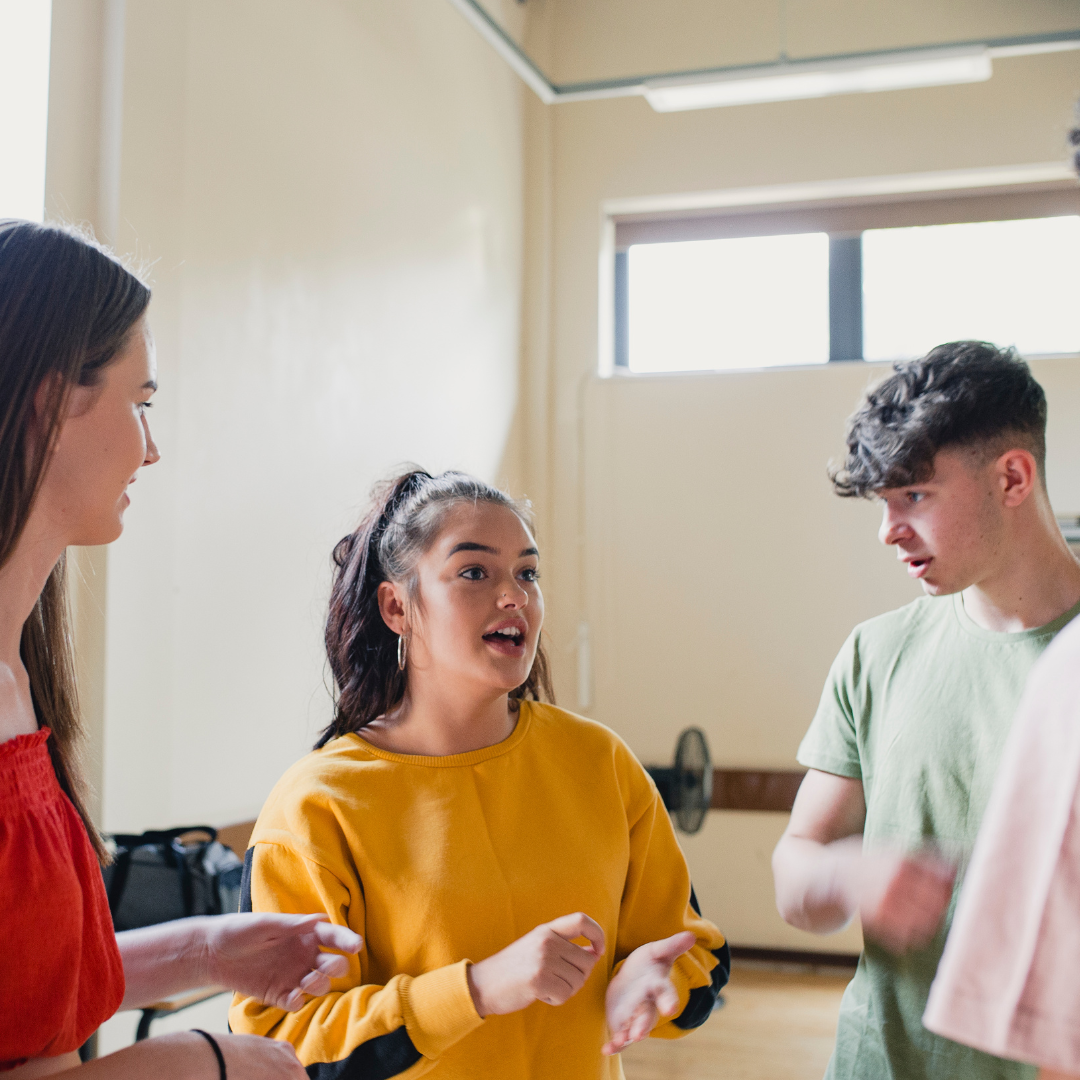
x: 24, y: 99
x: 749, y: 302
x: 1009, y: 282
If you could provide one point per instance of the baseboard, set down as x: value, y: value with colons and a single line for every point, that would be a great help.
x: 794, y: 956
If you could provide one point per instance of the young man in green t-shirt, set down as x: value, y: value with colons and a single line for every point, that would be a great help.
x: 905, y: 743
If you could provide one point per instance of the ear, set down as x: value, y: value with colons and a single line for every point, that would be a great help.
x: 79, y: 398
x: 1017, y: 475
x: 392, y: 606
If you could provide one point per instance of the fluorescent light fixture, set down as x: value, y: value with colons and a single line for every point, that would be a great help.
x: 813, y: 79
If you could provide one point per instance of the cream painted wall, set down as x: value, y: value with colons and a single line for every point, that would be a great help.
x: 597, y: 39
x: 329, y: 198
x: 696, y: 532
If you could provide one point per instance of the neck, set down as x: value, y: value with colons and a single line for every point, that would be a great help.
x: 22, y: 578
x: 1036, y: 581
x: 436, y: 718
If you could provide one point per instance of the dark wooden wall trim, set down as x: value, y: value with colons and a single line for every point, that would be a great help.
x: 794, y: 956
x: 236, y: 836
x: 750, y: 789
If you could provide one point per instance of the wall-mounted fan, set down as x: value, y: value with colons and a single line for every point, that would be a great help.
x: 686, y: 786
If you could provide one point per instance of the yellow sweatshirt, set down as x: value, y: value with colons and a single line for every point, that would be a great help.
x: 443, y: 861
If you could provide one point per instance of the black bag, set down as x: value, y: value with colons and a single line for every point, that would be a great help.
x: 157, y: 877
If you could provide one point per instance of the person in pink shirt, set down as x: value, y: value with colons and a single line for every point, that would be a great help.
x: 1008, y: 982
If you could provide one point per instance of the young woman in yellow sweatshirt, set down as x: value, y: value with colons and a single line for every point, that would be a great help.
x: 525, y: 908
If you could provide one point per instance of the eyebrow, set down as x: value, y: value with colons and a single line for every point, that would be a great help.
x: 150, y: 384
x: 469, y: 545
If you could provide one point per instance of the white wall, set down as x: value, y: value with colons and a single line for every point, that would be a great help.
x: 329, y: 194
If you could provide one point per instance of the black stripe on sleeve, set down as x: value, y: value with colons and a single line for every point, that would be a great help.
x: 380, y: 1058
x: 245, y: 881
x: 703, y: 998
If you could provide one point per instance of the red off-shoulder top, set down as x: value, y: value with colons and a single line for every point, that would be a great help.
x: 60, y: 975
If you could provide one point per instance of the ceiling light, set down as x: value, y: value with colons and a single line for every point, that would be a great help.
x: 789, y: 81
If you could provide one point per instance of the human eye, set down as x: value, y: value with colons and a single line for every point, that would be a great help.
x: 472, y: 573
x: 144, y: 405
x: 916, y: 496
x: 530, y: 573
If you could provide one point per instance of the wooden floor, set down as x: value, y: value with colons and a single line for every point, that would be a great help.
x: 773, y: 1026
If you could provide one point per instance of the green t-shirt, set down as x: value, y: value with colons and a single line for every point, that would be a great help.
x: 917, y: 706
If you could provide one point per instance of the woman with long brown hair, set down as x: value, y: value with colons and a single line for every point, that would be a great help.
x: 77, y: 372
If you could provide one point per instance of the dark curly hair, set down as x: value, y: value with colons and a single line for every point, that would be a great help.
x: 964, y: 393
x: 402, y: 522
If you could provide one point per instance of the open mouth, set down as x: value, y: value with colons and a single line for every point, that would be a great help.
x: 507, y: 639
x: 918, y: 567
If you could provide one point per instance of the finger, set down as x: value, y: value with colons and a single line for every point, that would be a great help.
x: 315, y: 983
x: 619, y: 1039
x: 643, y: 1022
x: 333, y: 965
x: 668, y: 950
x: 292, y: 1001
x: 571, y: 972
x: 667, y: 1000
x: 332, y: 936
x: 614, y: 1044
x: 579, y: 925
x: 555, y: 988
x: 582, y: 959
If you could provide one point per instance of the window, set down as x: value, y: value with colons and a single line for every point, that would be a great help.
x: 754, y: 301
x: 25, y: 27
x: 847, y: 282
x: 1010, y: 282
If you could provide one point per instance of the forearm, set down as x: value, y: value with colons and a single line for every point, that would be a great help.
x: 164, y: 959
x: 816, y: 884
x: 180, y: 1056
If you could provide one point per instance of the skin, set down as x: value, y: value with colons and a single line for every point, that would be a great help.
x: 981, y: 526
x: 103, y: 441
x: 480, y: 575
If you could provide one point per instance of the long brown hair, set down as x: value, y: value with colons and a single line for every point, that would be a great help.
x: 66, y: 308
x: 403, y: 521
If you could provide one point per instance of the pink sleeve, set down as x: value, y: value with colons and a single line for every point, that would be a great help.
x: 1007, y: 983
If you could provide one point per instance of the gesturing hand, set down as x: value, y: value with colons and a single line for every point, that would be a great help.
x: 277, y: 959
x: 903, y: 898
x: 544, y: 965
x: 642, y: 991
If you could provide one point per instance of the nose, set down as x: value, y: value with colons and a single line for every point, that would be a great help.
x: 153, y: 454
x: 512, y: 597
x: 893, y: 527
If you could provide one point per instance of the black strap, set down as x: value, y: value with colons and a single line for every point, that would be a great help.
x: 222, y: 1075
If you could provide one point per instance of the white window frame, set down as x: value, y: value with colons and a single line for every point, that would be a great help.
x: 838, y: 207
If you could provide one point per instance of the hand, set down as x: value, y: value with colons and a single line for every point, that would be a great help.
x: 544, y: 965
x: 277, y: 959
x: 642, y: 991
x: 253, y: 1057
x: 903, y: 898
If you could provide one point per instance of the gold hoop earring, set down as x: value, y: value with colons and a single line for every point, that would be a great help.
x: 402, y: 652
